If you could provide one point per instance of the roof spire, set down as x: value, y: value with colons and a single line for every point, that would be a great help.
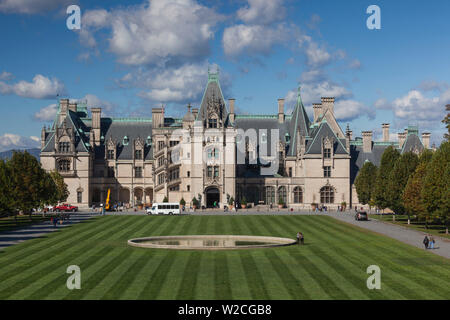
x: 299, y: 97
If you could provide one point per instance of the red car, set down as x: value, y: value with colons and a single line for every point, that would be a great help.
x: 66, y: 207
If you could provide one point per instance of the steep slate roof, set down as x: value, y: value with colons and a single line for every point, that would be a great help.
x: 314, y: 146
x: 412, y: 143
x: 212, y: 91
x: 132, y: 129
x: 299, y: 122
x: 72, y: 121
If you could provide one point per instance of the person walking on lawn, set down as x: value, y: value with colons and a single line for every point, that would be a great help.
x: 431, y: 242
x: 302, y: 239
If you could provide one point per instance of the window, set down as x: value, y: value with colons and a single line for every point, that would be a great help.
x: 160, y: 161
x: 298, y: 195
x: 290, y: 172
x: 327, y: 153
x: 174, y: 174
x: 64, y: 147
x: 63, y: 165
x: 161, y: 178
x: 213, y: 171
x: 138, y: 154
x: 175, y: 188
x: 110, y: 172
x: 327, y: 172
x: 212, y: 123
x: 138, y: 172
x: 282, y: 194
x: 160, y: 145
x: 216, y: 171
x: 188, y: 188
x: 173, y: 143
x: 79, y: 196
x: 110, y: 154
x: 213, y: 153
x: 269, y: 195
x: 287, y: 138
x: 327, y: 194
x: 125, y: 141
x: 189, y: 174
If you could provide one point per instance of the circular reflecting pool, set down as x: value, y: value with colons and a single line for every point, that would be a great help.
x: 210, y: 242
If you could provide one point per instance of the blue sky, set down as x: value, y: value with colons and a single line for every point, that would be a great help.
x: 130, y: 56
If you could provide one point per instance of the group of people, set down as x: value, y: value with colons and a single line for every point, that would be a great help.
x: 300, y: 238
x: 429, y: 241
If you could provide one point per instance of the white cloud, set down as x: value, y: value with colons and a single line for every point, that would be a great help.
x: 262, y: 11
x: 92, y: 101
x: 33, y: 6
x: 47, y: 113
x: 6, y: 76
x: 156, y: 32
x: 179, y: 85
x: 348, y: 110
x: 40, y: 88
x: 419, y: 108
x: 11, y: 141
x: 252, y: 39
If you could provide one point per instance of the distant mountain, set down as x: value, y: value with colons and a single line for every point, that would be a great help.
x: 8, y: 154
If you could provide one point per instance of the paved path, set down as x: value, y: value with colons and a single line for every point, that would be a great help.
x: 403, y: 234
x: 9, y: 238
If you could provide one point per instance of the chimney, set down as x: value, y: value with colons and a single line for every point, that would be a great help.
x: 401, y: 138
x: 73, y: 106
x: 96, y: 119
x: 367, y: 141
x: 158, y: 117
x: 317, y: 107
x: 426, y: 139
x: 43, y: 136
x: 385, y: 132
x: 327, y: 104
x: 231, y: 105
x: 280, y: 110
x: 63, y: 109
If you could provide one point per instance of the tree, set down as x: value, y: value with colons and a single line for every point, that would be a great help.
x: 195, y: 202
x: 5, y: 189
x: 388, y: 159
x: 446, y: 121
x: 165, y: 199
x: 182, y: 202
x: 412, y: 196
x: 435, y: 191
x: 61, y: 193
x: 404, y: 167
x: 29, y: 182
x: 365, y: 182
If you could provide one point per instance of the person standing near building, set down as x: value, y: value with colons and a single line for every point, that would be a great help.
x: 298, y: 237
x: 302, y: 239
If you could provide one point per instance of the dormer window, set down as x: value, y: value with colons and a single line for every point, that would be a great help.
x: 212, y: 123
x: 138, y: 154
x: 149, y: 141
x: 64, y: 147
x: 64, y: 165
x: 327, y: 153
x: 287, y: 138
x: 110, y: 154
x: 125, y: 141
x: 264, y: 138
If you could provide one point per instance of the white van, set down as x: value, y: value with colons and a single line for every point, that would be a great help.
x: 164, y: 208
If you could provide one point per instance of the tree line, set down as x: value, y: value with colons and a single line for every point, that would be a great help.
x: 25, y: 185
x: 415, y: 185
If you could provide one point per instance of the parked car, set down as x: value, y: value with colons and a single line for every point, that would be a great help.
x: 66, y: 207
x: 361, y: 216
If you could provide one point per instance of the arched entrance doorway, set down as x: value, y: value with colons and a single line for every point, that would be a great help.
x: 212, y: 195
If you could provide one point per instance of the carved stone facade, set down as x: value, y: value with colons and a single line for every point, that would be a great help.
x: 212, y: 154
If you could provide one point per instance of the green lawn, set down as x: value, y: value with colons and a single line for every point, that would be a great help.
x: 332, y: 264
x: 402, y: 220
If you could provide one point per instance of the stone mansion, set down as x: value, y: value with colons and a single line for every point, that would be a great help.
x: 213, y: 154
